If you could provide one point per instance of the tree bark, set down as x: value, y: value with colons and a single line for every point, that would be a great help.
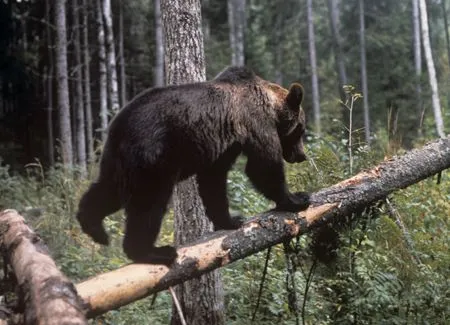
x: 333, y: 12
x: 431, y: 69
x: 236, y: 23
x: 278, y: 46
x: 313, y: 61
x: 158, y: 79
x: 79, y: 108
x: 87, y: 83
x: 103, y: 78
x: 123, y: 81
x: 49, y: 297
x: 113, y: 93
x: 65, y: 133
x: 447, y: 36
x: 365, y: 89
x: 132, y: 282
x: 417, y: 62
x: 201, y: 299
x: 50, y: 76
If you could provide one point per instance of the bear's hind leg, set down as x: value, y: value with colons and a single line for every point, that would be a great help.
x: 145, y: 211
x: 212, y: 187
x: 100, y: 200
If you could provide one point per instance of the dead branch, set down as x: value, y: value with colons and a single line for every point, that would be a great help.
x: 132, y: 282
x: 48, y: 297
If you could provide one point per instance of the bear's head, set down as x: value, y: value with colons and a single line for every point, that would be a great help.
x: 291, y: 121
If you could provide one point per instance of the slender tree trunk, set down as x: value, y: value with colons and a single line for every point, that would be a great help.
x: 159, y: 46
x: 278, y: 47
x: 87, y: 84
x: 103, y: 78
x: 447, y: 42
x: 63, y: 83
x: 123, y: 81
x: 313, y: 61
x: 113, y: 93
x: 80, y: 131
x: 201, y: 299
x: 50, y: 75
x: 431, y: 70
x: 447, y: 36
x: 365, y: 90
x: 236, y: 23
x: 417, y: 61
x: 240, y: 31
x: 333, y: 11
x: 206, y: 23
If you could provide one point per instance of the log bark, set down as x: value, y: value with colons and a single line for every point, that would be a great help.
x: 132, y: 282
x: 48, y: 296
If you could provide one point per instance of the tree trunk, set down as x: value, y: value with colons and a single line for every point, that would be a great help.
x: 313, y: 61
x: 87, y: 84
x: 135, y: 281
x: 236, y: 23
x: 79, y: 107
x: 431, y: 70
x: 447, y: 36
x: 63, y: 83
x: 333, y: 12
x: 50, y: 76
x: 48, y: 296
x: 447, y: 42
x: 417, y: 62
x: 278, y: 46
x: 158, y: 79
x: 123, y: 81
x: 365, y: 90
x: 201, y: 299
x: 113, y: 93
x: 103, y: 78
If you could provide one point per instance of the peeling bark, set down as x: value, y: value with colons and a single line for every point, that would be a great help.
x: 135, y: 281
x: 48, y: 297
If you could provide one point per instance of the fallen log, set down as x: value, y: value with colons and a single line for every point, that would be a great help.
x: 132, y: 282
x: 48, y: 297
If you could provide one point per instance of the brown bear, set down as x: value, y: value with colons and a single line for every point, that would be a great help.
x: 167, y: 134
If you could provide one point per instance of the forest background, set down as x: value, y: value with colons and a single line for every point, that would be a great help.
x: 371, y: 94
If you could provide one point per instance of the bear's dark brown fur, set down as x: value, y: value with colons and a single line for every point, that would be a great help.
x: 165, y: 135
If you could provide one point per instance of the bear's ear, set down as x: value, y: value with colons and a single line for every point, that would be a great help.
x: 294, y: 97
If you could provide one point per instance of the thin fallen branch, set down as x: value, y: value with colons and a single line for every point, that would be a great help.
x: 132, y: 282
x: 48, y: 296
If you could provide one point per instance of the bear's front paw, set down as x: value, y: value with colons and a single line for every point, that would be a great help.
x: 235, y: 221
x: 165, y: 255
x: 295, y: 202
x: 98, y: 234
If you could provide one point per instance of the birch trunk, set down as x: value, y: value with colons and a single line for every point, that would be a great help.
x: 50, y: 76
x: 123, y: 81
x: 333, y: 12
x: 313, y: 62
x: 417, y: 61
x: 80, y: 124
x: 201, y: 299
x: 365, y: 89
x: 113, y: 93
x: 236, y: 23
x: 103, y: 78
x: 158, y: 79
x: 431, y: 69
x: 87, y: 83
x: 63, y: 83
